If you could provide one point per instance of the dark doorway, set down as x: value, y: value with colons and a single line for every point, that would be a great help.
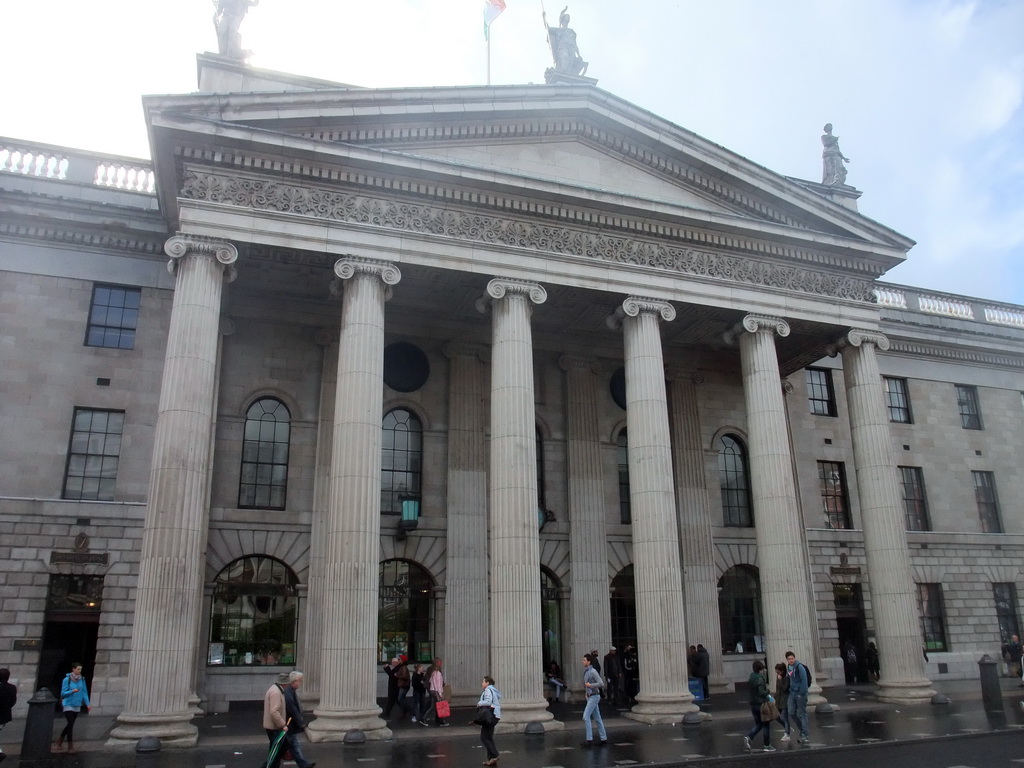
x: 73, y: 609
x: 852, y: 631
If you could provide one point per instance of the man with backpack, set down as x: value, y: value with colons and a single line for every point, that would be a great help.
x: 799, y: 684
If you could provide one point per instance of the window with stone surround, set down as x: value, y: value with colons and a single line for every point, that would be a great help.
x: 254, y: 614
x: 915, y: 506
x: 733, y: 480
x: 1005, y: 596
x: 988, y: 501
x: 263, y: 479
x: 625, y: 508
x: 834, y: 499
x: 93, y: 454
x: 739, y: 610
x: 897, y: 400
x: 820, y: 394
x: 967, y: 403
x: 933, y: 617
x: 401, y: 466
x: 113, y: 317
x: 405, y: 624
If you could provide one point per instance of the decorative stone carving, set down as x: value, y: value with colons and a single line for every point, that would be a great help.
x: 855, y: 337
x: 350, y: 266
x: 570, y: 362
x: 499, y: 287
x: 474, y: 227
x: 634, y: 305
x: 179, y: 246
x: 226, y: 20
x: 753, y: 323
x: 454, y: 349
x: 833, y: 173
x: 564, y: 50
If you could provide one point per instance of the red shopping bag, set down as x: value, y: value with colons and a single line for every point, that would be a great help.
x: 444, y: 709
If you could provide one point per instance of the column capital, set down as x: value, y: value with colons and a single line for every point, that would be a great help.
x: 635, y: 305
x: 753, y: 323
x: 500, y: 287
x: 181, y: 245
x: 857, y: 337
x: 570, y: 362
x: 350, y: 266
x: 454, y: 349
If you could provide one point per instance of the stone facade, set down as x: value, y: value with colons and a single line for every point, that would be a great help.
x: 603, y: 245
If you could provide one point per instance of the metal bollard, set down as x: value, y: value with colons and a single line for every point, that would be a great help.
x: 35, y: 744
x: 991, y: 693
x: 147, y: 752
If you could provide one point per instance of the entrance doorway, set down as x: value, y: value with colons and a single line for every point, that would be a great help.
x: 852, y: 630
x: 73, y: 607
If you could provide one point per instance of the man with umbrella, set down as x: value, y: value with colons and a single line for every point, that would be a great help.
x: 275, y: 720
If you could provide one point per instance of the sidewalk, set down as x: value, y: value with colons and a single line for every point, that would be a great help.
x: 236, y: 740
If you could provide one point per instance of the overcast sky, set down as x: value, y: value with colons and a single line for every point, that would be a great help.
x: 925, y: 95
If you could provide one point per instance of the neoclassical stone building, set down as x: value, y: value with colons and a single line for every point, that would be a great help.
x: 496, y: 374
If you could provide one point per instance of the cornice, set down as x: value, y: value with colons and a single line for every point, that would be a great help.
x: 974, y: 357
x: 68, y: 236
x: 515, y: 231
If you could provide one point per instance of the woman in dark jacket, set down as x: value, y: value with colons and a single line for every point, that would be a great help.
x: 782, y: 698
x: 758, y: 695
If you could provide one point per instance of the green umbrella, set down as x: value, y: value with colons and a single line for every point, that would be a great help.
x: 275, y: 746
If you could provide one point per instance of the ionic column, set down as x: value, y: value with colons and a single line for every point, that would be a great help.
x: 351, y: 546
x: 661, y: 625
x: 897, y: 625
x: 169, y: 595
x: 590, y: 608
x: 516, y: 648
x: 781, y: 557
x: 700, y: 574
x: 466, y: 616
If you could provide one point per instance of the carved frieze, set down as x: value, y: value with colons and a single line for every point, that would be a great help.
x: 340, y: 205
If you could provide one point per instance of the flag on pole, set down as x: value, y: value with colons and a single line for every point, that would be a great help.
x: 492, y: 8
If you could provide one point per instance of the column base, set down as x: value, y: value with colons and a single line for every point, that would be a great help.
x: 663, y: 709
x: 517, y: 718
x: 175, y: 731
x: 721, y: 685
x: 905, y: 691
x: 332, y: 725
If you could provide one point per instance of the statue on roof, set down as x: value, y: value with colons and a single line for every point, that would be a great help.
x: 564, y: 50
x: 226, y: 20
x: 833, y: 173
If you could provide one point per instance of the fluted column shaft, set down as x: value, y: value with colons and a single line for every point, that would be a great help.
x: 781, y: 556
x: 588, y: 543
x: 893, y: 601
x: 516, y: 647
x: 700, y: 574
x: 168, y: 599
x: 352, y: 532
x: 661, y: 623
x: 466, y: 615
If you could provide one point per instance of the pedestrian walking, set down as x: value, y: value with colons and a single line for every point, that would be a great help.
x: 1015, y: 651
x: 592, y: 687
x: 613, y: 676
x: 435, y: 690
x: 782, y: 698
x: 874, y: 666
x: 391, y: 670
x: 74, y: 698
x: 631, y: 673
x: 275, y: 717
x: 758, y: 686
x: 8, y: 698
x: 296, y: 720
x: 418, y: 685
x: 799, y: 684
x: 490, y: 698
x: 703, y: 669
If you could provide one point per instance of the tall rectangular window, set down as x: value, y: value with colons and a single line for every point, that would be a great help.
x: 988, y: 501
x: 113, y: 317
x: 93, y: 453
x: 915, y: 507
x: 897, y: 399
x: 625, y: 501
x: 967, y: 402
x: 835, y: 502
x: 820, y: 394
x: 1005, y: 596
x: 933, y: 616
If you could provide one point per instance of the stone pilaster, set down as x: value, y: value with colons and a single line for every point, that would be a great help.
x: 897, y: 625
x: 466, y: 614
x: 351, y: 547
x: 661, y: 624
x: 781, y: 555
x: 169, y: 596
x: 516, y: 647
x: 311, y: 660
x: 588, y: 542
x: 696, y: 528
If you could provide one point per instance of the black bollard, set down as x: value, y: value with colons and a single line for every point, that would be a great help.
x: 147, y: 752
x: 991, y: 693
x: 35, y: 745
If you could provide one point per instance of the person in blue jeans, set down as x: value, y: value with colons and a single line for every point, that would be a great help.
x: 593, y: 687
x: 798, y: 686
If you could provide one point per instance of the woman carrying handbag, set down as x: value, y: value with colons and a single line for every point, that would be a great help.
x: 759, y: 695
x: 488, y: 713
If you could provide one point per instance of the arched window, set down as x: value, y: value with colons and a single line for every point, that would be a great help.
x: 623, y: 608
x: 625, y: 509
x: 551, y: 618
x: 401, y: 459
x: 263, y: 481
x: 733, y: 479
x: 739, y: 610
x: 254, y: 614
x: 404, y: 624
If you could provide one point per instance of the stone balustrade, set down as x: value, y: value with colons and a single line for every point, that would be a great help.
x: 948, y: 305
x: 62, y: 164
